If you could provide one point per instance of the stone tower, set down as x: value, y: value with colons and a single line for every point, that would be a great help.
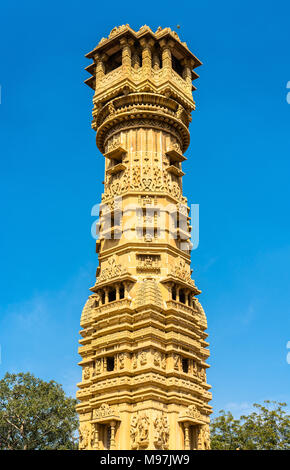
x: 143, y: 343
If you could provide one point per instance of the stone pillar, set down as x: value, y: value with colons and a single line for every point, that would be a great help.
x: 156, y: 61
x: 126, y: 53
x: 188, y: 65
x: 106, y: 289
x: 102, y: 297
x: 113, y: 432
x: 97, y: 438
x: 117, y: 291
x: 126, y: 292
x: 100, y: 66
x: 135, y: 61
x: 171, y: 286
x: 177, y: 294
x: 190, y: 299
x: 187, y: 297
x: 186, y: 437
x: 166, y: 47
x: 147, y: 45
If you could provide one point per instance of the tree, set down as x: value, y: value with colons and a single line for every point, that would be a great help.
x: 35, y: 415
x: 268, y: 428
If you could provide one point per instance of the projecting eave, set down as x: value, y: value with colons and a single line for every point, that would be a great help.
x: 184, y: 283
x: 90, y: 82
x: 112, y: 44
x: 121, y: 278
x: 91, y: 69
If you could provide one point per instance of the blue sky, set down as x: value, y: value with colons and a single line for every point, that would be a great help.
x: 237, y: 170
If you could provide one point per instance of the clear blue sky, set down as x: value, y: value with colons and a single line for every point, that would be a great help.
x: 237, y: 170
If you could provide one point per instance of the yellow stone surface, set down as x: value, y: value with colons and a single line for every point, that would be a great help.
x: 143, y: 343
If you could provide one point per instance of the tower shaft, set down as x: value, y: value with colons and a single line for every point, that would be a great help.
x: 143, y: 343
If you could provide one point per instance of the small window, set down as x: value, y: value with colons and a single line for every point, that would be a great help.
x: 122, y: 292
x: 173, y: 293
x: 108, y: 437
x: 110, y: 364
x: 181, y: 296
x: 185, y: 365
x: 113, y: 62
x: 176, y: 65
x: 112, y: 295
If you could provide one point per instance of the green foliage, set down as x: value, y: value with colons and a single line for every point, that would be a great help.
x: 268, y: 428
x: 35, y: 415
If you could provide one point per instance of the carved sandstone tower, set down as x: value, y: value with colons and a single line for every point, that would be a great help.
x: 143, y: 343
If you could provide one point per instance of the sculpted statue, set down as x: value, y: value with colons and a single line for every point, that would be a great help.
x: 176, y: 361
x: 134, y: 432
x: 87, y: 373
x: 121, y: 360
x: 139, y: 431
x: 143, y: 427
x: 161, y: 432
x: 83, y: 436
x: 163, y: 362
x: 92, y: 437
x: 98, y: 366
x: 143, y: 358
x: 134, y: 361
x: 157, y: 358
x: 205, y: 438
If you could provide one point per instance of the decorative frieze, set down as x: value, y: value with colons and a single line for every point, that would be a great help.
x: 148, y: 263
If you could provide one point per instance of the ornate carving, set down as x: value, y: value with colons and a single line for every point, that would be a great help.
x: 182, y: 271
x: 136, y: 177
x: 112, y: 270
x: 134, y: 361
x: 148, y: 263
x: 98, y: 366
x: 161, y: 428
x: 117, y: 30
x: 84, y: 432
x: 121, y: 360
x: 92, y: 302
x: 143, y: 358
x: 193, y: 412
x: 205, y: 437
x: 87, y: 373
x: 176, y: 361
x: 139, y: 431
x: 157, y: 358
x: 200, y: 311
x: 104, y: 411
x: 111, y: 108
x: 149, y: 123
x: 114, y: 143
x: 163, y: 362
x: 148, y: 292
